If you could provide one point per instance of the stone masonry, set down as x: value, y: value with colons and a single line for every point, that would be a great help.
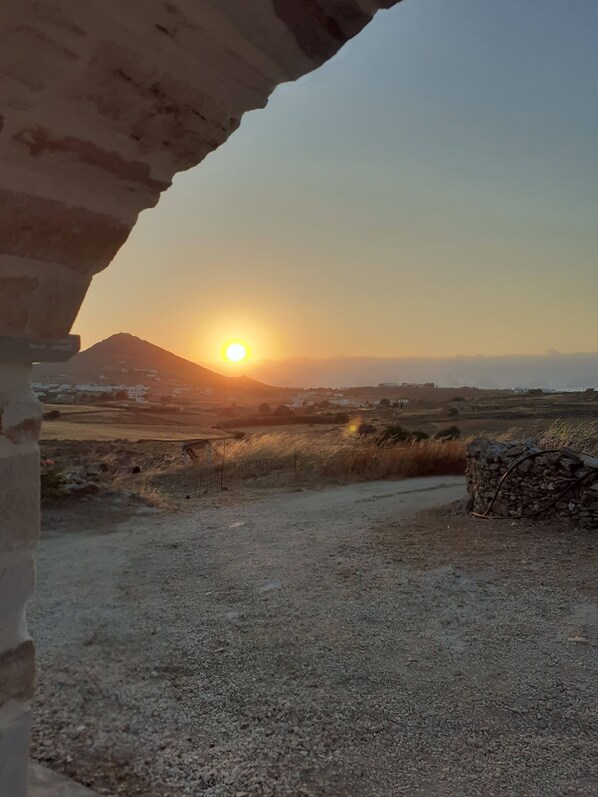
x: 561, y: 483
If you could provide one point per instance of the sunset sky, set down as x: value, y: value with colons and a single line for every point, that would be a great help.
x: 433, y: 190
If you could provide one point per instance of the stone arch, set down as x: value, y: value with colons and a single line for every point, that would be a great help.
x: 99, y: 110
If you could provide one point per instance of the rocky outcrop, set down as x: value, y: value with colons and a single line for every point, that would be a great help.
x: 561, y: 483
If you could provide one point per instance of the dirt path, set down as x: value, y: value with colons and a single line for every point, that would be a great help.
x: 310, y: 644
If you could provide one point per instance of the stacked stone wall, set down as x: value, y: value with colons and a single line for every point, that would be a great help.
x: 561, y: 483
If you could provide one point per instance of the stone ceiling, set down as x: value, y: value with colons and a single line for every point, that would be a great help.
x: 102, y: 103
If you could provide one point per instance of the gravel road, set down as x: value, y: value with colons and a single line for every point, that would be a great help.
x: 318, y: 643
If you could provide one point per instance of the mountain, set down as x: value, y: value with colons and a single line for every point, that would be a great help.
x: 128, y: 360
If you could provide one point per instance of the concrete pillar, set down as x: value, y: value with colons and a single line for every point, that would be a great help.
x: 20, y: 415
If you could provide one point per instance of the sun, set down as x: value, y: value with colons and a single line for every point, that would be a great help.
x: 236, y: 351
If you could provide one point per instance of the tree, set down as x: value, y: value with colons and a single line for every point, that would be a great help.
x: 283, y: 410
x: 264, y: 408
x: 121, y: 395
x: 453, y: 412
x: 384, y: 403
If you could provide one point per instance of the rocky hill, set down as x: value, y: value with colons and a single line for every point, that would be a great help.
x: 126, y: 359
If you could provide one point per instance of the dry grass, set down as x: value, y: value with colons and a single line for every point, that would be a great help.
x: 339, y: 456
x: 154, y: 497
x: 581, y: 437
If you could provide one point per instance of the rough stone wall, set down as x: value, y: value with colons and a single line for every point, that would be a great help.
x: 101, y: 103
x: 538, y: 479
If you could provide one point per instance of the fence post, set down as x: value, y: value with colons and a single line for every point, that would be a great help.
x: 222, y: 466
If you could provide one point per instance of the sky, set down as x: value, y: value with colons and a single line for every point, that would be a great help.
x: 432, y: 191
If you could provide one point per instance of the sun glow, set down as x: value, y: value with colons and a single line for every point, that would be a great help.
x: 236, y: 351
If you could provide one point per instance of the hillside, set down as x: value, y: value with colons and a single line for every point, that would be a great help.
x: 126, y: 359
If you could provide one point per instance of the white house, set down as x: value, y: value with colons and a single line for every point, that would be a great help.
x: 137, y: 392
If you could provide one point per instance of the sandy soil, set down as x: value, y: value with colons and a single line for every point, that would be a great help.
x: 322, y: 643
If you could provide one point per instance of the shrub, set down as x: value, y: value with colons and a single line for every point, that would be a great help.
x: 366, y: 428
x: 282, y: 410
x: 52, y: 481
x: 450, y: 433
x: 264, y: 408
x: 341, y: 417
x: 394, y: 434
x: 418, y: 435
x: 398, y: 434
x: 51, y: 415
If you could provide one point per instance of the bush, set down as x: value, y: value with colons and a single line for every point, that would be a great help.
x: 52, y: 415
x: 341, y: 417
x: 394, y: 434
x: 366, y: 428
x: 398, y: 434
x: 451, y: 433
x: 264, y: 408
x: 52, y: 481
x: 418, y: 436
x: 283, y: 411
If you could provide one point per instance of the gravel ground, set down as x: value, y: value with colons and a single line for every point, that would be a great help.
x: 321, y: 643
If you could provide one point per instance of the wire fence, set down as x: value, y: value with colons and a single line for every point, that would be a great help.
x: 228, y: 475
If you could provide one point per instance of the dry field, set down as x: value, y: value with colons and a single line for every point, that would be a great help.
x: 139, y: 452
x: 490, y: 415
x: 529, y: 415
x: 78, y: 422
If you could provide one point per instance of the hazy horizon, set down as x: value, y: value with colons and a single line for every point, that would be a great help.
x: 430, y: 191
x: 552, y: 369
x: 568, y: 371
